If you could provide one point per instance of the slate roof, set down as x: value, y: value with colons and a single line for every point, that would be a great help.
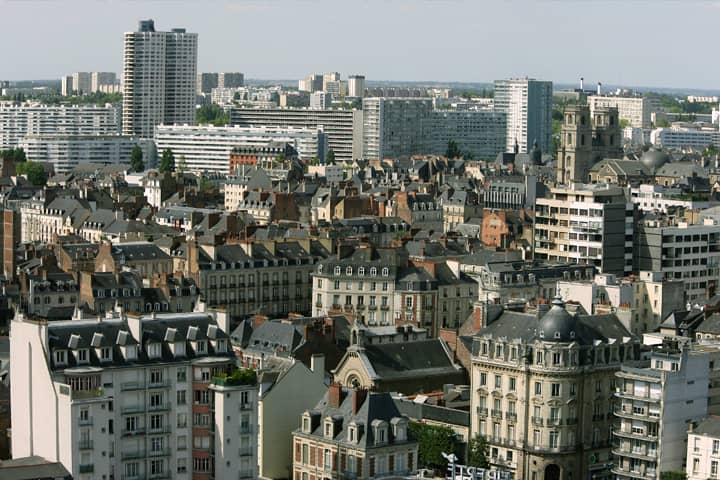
x: 135, y: 251
x: 710, y: 426
x: 275, y: 337
x: 405, y: 359
x: 423, y: 411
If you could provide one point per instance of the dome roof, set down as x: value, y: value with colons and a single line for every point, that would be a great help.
x: 654, y: 159
x: 557, y: 325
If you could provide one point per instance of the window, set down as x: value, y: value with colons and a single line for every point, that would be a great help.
x: 154, y: 350
x: 60, y: 357
x: 555, y: 388
x: 348, y: 271
x: 573, y: 390
x: 131, y: 424
x: 131, y: 469
x: 156, y: 399
x: 498, y: 381
x: 538, y: 388
x: 556, y: 358
x: 385, y: 286
x: 483, y: 378
x: 181, y: 422
x: 512, y: 384
x: 181, y: 400
x: 105, y: 354
x: 305, y: 454
x: 361, y: 271
x: 373, y: 271
x: 82, y: 355
x: 385, y: 271
x: 156, y: 444
x: 716, y: 447
x: 181, y: 375
x: 337, y: 270
x: 156, y: 376
x: 181, y: 465
x: 554, y: 439
x: 202, y: 397
x: 84, y: 415
x: 714, y: 468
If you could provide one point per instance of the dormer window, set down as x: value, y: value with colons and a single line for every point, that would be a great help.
x: 373, y: 271
x: 337, y: 270
x: 105, y: 354
x: 399, y: 429
x: 306, y: 423
x: 320, y: 268
x: 154, y: 350
x: 385, y: 272
x: 329, y: 428
x: 221, y: 348
x: 348, y: 271
x: 201, y: 347
x: 361, y: 271
x: 82, y: 355
x: 60, y: 357
x: 352, y: 434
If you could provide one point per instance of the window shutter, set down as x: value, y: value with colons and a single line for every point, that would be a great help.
x: 321, y: 457
x: 333, y: 455
x: 359, y: 464
x: 297, y: 474
x: 298, y: 451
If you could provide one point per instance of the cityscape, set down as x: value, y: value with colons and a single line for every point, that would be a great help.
x: 247, y: 266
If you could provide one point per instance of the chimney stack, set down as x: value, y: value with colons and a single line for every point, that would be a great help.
x: 334, y: 395
x: 358, y: 400
x: 582, y: 85
x: 599, y: 88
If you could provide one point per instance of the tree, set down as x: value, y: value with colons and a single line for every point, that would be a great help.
x: 478, y: 452
x: 212, y: 114
x: 180, y: 167
x: 624, y: 123
x: 34, y: 171
x: 136, y: 159
x: 673, y: 476
x: 15, y: 154
x: 330, y: 157
x: 167, y: 161
x: 452, y: 150
x: 433, y: 441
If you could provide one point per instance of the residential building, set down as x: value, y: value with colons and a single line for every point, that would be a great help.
x: 655, y: 406
x: 660, y: 198
x: 528, y: 105
x: 311, y: 83
x: 506, y: 229
x: 9, y: 240
x: 344, y: 128
x: 144, y: 257
x: 356, y: 86
x: 66, y: 85
x: 231, y: 79
x: 420, y: 210
x: 101, y: 79
x: 619, y: 172
x: 18, y: 121
x: 636, y: 111
x: 513, y: 193
x: 586, y: 224
x: 703, y: 449
x: 82, y: 83
x: 208, y: 148
x: 123, y: 396
x: 321, y: 100
x: 50, y: 295
x: 683, y: 136
x: 65, y: 152
x: 543, y: 390
x: 353, y: 433
x: 587, y: 137
x: 681, y: 251
x: 393, y: 127
x: 159, y: 79
x: 206, y: 82
x: 478, y: 134
x: 41, y: 221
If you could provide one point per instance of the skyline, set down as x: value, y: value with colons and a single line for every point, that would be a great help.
x: 639, y: 54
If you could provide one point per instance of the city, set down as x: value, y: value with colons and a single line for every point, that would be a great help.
x: 208, y: 274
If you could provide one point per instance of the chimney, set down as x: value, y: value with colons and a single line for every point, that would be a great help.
x: 599, y: 88
x: 582, y: 80
x: 335, y: 395
x: 479, y: 316
x: 358, y: 400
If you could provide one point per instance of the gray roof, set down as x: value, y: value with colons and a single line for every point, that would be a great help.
x: 417, y: 358
x: 423, y: 411
x: 32, y: 468
x: 709, y: 426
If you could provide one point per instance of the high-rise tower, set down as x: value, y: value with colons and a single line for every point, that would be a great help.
x: 159, y: 78
x: 528, y: 106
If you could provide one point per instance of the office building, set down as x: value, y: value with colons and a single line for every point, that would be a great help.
x: 82, y: 83
x: 654, y: 407
x: 208, y: 148
x: 159, y: 79
x: 353, y: 433
x: 636, y: 111
x: 320, y: 100
x: 543, y: 389
x: 132, y: 396
x: 65, y: 152
x: 344, y: 128
x: 586, y: 224
x: 18, y: 121
x: 356, y: 86
x: 528, y: 105
x: 703, y: 449
x: 393, y: 127
x: 329, y: 77
x: 101, y: 79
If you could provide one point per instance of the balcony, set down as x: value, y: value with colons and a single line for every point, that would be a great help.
x: 246, y: 406
x: 87, y: 468
x: 634, y: 436
x: 372, y: 307
x: 160, y: 430
x: 512, y: 416
x: 629, y: 395
x: 132, y: 455
x: 360, y: 307
x: 496, y: 413
x: 85, y: 422
x: 160, y: 384
x: 159, y: 407
x: 131, y: 433
x: 245, y: 429
x: 554, y: 421
x: 641, y: 453
x: 336, y: 306
x: 384, y: 307
x: 571, y: 421
x: 85, y: 394
x: 163, y: 452
x: 482, y: 412
x: 626, y: 472
x: 348, y: 308
x: 536, y: 420
x: 245, y: 451
x: 130, y: 386
x: 627, y: 412
x: 318, y: 304
x: 133, y: 409
x: 85, y: 445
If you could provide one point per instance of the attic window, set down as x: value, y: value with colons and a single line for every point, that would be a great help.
x: 348, y: 271
x: 60, y: 357
x: 82, y: 355
x: 557, y: 334
x: 105, y: 354
x: 385, y: 272
x: 361, y: 271
x: 201, y: 346
x: 154, y: 350
x: 572, y: 334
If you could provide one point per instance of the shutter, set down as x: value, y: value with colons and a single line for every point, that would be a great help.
x: 298, y: 451
x: 312, y: 456
x: 391, y: 463
x: 312, y: 476
x: 342, y: 462
x: 371, y: 467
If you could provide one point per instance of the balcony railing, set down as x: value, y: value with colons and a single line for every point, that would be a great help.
x: 511, y: 416
x: 132, y: 409
x: 130, y: 433
x: 132, y: 455
x: 496, y: 413
x: 245, y: 429
x: 162, y: 452
x: 537, y: 420
x: 482, y: 412
x: 159, y: 407
x: 86, y: 445
x: 128, y: 386
x: 87, y: 468
x: 85, y: 422
x: 245, y: 451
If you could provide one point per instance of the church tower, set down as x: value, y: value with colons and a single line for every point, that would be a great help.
x: 575, y: 154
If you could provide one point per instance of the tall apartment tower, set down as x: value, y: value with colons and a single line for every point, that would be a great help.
x: 586, y: 138
x: 159, y: 78
x: 356, y: 86
x: 82, y: 82
x: 528, y: 105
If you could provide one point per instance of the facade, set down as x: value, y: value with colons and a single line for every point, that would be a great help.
x: 98, y: 80
x: 528, y: 106
x: 65, y: 152
x: 208, y: 148
x: 321, y: 100
x: 82, y: 83
x: 679, y: 137
x: 343, y: 127
x: 703, y: 450
x: 122, y: 397
x: 543, y: 390
x: 586, y: 137
x: 19, y: 121
x: 353, y: 433
x: 690, y: 253
x: 393, y: 127
x: 654, y: 406
x: 41, y: 221
x: 356, y: 86
x: 479, y: 134
x: 586, y: 224
x: 159, y: 79
x: 206, y: 82
x: 231, y: 79
x: 636, y: 110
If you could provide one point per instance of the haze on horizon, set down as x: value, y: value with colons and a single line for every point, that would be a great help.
x: 632, y: 42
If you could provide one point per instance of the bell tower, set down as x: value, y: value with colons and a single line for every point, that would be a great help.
x: 574, y: 155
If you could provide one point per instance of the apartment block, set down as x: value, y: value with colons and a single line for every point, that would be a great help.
x: 703, y: 449
x: 528, y: 105
x: 637, y: 111
x: 586, y: 224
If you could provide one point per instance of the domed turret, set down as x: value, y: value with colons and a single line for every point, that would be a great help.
x: 654, y: 159
x: 557, y: 325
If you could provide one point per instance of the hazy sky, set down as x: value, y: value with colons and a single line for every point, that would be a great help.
x: 630, y: 42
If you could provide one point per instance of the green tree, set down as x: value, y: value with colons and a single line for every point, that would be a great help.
x: 180, y: 167
x: 662, y: 123
x: 34, y: 171
x: 452, y: 150
x: 167, y: 161
x: 673, y: 476
x: 15, y: 154
x: 433, y: 441
x: 624, y: 123
x: 478, y: 452
x: 330, y: 157
x: 212, y: 114
x: 205, y: 185
x: 136, y: 159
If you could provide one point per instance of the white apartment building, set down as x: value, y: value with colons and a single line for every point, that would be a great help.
x: 658, y: 198
x: 703, y: 450
x: 393, y: 127
x: 159, y: 79
x: 528, y: 105
x: 19, y: 121
x: 636, y: 110
x: 65, y: 152
x: 82, y: 82
x: 587, y: 224
x: 654, y: 408
x: 321, y: 100
x: 131, y: 397
x: 208, y: 148
x: 344, y: 128
x: 356, y: 86
x: 680, y: 136
x: 99, y: 80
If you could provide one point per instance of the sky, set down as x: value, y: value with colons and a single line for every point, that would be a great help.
x: 632, y: 42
